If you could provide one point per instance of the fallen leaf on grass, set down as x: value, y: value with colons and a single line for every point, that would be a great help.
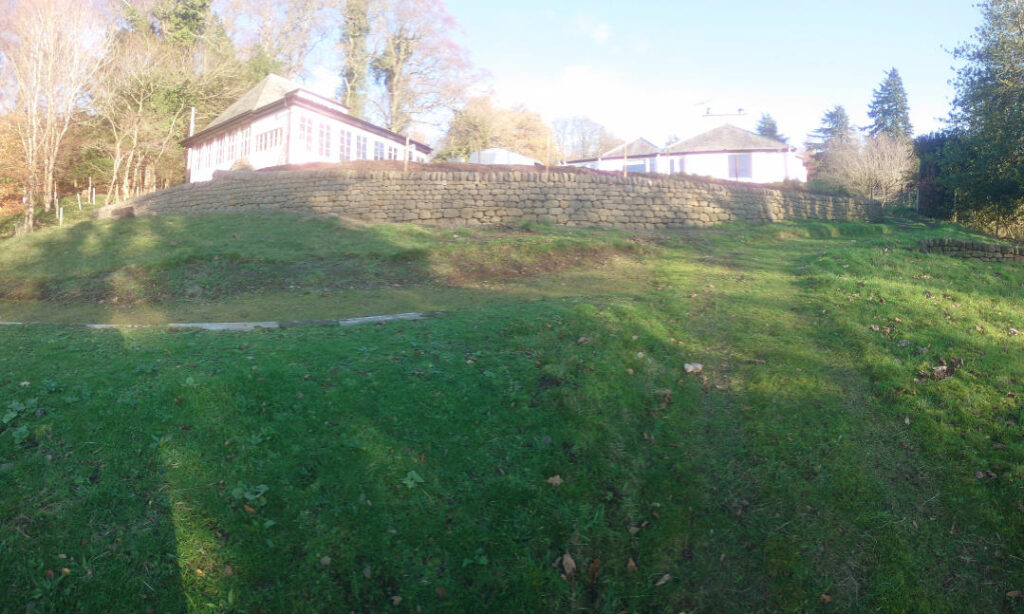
x: 874, y: 327
x: 396, y: 600
x: 229, y: 570
x: 693, y: 367
x: 555, y: 480
x: 1013, y: 331
x: 325, y: 560
x: 568, y: 565
x: 593, y: 569
x: 248, y: 509
x: 583, y: 341
x: 826, y: 598
x: 981, y: 475
x: 631, y: 566
x: 665, y: 579
x: 1014, y: 594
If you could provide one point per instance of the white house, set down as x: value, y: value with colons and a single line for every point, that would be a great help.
x: 278, y: 123
x: 498, y: 155
x: 726, y: 152
x: 639, y: 156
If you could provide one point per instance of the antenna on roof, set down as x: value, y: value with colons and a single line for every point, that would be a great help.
x: 739, y: 113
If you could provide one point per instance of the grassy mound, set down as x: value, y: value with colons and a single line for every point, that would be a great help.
x: 226, y: 267
x: 781, y: 418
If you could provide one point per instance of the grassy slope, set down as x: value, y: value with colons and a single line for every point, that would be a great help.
x: 807, y: 467
x: 152, y: 270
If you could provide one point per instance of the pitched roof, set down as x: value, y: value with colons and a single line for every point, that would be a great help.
x: 271, y: 88
x: 726, y: 138
x: 639, y: 147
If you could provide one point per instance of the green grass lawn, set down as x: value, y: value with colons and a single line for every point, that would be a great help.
x: 539, y: 446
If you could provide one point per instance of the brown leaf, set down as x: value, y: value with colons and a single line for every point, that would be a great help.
x: 568, y: 565
x: 555, y: 480
x: 229, y: 570
x: 663, y: 580
x: 583, y: 341
x: 396, y: 600
x: 631, y: 565
x: 248, y: 509
x: 325, y: 560
x: 593, y: 569
x: 1014, y: 594
x: 826, y: 598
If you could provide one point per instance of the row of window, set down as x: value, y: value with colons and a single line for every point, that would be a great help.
x: 740, y: 166
x: 223, y: 149
x: 324, y: 143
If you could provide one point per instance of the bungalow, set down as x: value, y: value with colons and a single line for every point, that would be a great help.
x: 278, y: 123
x: 726, y: 152
x: 639, y: 156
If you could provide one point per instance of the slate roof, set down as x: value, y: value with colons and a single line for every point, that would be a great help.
x: 639, y: 147
x: 726, y: 138
x: 276, y: 89
x: 270, y: 89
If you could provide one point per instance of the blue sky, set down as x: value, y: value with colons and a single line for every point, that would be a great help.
x: 653, y: 68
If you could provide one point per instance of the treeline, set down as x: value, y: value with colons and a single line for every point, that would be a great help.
x: 102, y: 91
x: 974, y: 170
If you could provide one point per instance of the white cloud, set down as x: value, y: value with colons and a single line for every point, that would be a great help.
x: 596, y: 30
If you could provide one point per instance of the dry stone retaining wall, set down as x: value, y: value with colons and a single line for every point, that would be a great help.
x: 470, y: 198
x: 972, y: 249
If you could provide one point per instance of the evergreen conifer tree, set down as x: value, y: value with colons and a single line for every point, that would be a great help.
x: 888, y: 111
x: 767, y: 127
x: 834, y: 133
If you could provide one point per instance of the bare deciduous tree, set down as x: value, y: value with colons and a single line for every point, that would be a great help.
x: 50, y: 50
x: 582, y: 137
x: 285, y: 30
x: 415, y: 63
x: 881, y: 167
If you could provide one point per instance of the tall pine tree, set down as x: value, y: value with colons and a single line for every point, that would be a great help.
x: 889, y: 112
x: 768, y: 127
x: 835, y: 132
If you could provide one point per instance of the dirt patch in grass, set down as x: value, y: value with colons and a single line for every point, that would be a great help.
x: 223, y: 279
x: 507, y: 263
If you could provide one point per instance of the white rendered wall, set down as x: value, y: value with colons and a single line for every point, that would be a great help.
x: 245, y: 143
x: 765, y: 166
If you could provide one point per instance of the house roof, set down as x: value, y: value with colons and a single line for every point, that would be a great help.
x: 639, y: 147
x: 275, y: 92
x: 271, y: 89
x: 726, y: 138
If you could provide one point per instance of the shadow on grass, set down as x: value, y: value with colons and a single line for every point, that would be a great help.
x: 87, y: 520
x: 411, y: 465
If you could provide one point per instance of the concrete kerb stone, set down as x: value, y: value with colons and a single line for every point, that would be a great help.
x: 241, y: 326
